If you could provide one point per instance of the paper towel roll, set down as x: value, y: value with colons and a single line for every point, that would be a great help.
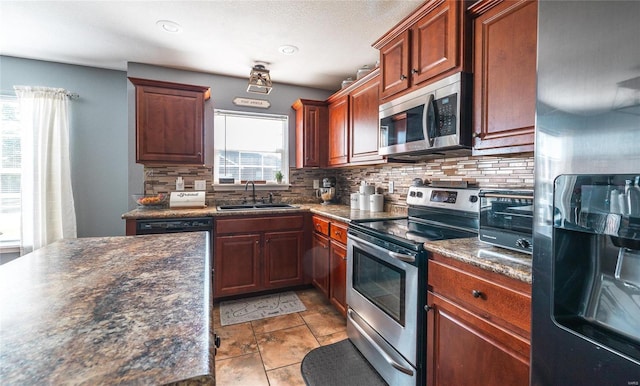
x: 376, y: 202
x: 355, y: 200
x: 364, y: 201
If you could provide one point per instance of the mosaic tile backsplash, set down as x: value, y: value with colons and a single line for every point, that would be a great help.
x: 513, y: 172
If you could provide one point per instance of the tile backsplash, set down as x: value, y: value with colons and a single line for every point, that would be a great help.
x: 507, y: 171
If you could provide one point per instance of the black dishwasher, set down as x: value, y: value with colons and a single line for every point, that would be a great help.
x: 174, y: 225
x: 177, y: 225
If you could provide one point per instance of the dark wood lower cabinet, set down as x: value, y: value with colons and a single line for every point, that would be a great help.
x: 254, y: 254
x: 282, y: 252
x: 338, y: 276
x: 320, y: 263
x: 329, y: 255
x: 237, y: 264
x: 478, y: 326
x: 464, y: 349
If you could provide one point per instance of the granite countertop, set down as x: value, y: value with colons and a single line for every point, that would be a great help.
x: 109, y: 310
x: 470, y: 250
x: 336, y: 212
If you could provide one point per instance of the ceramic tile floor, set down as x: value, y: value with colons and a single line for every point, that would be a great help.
x: 269, y: 351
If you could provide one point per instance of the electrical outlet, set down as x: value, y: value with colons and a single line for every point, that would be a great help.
x: 391, y: 187
x: 316, y: 184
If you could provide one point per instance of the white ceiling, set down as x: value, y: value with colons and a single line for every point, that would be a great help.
x: 218, y: 36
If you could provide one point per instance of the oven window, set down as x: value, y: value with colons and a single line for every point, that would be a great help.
x: 381, y: 283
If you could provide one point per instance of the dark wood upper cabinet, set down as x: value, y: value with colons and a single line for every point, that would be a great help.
x: 504, y: 96
x: 364, y: 122
x: 435, y: 42
x: 394, y: 64
x: 354, y: 124
x: 311, y: 133
x: 429, y: 44
x: 338, y: 131
x: 169, y: 122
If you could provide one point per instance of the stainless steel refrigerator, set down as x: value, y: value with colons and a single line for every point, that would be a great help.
x: 586, y: 254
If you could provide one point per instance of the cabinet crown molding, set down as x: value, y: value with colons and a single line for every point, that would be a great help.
x: 405, y: 23
x: 206, y: 90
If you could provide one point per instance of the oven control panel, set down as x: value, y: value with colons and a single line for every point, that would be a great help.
x: 450, y: 198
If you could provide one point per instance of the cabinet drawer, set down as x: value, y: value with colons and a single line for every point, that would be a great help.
x: 339, y: 232
x: 492, y: 301
x: 321, y: 225
x: 258, y: 224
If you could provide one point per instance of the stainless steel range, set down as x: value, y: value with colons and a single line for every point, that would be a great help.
x: 387, y: 278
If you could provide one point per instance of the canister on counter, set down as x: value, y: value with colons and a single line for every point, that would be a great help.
x: 376, y: 202
x: 355, y: 200
x: 364, y: 201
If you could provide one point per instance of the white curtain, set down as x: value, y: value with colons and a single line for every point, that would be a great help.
x: 48, y: 212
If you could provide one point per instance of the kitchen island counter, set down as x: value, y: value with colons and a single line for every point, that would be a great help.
x: 109, y: 310
x: 512, y: 264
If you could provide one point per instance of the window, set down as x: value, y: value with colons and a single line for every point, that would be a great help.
x: 250, y: 146
x: 10, y: 172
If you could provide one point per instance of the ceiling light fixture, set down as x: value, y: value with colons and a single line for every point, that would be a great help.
x: 169, y: 26
x: 288, y: 49
x: 259, y: 80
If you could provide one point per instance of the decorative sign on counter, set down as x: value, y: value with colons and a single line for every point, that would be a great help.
x: 187, y: 200
x: 250, y: 102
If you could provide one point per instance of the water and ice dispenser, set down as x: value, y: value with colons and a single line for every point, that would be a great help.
x: 596, y: 259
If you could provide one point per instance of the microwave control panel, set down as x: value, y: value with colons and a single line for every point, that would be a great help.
x: 447, y: 108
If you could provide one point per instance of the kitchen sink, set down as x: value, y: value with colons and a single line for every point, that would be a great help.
x: 256, y: 206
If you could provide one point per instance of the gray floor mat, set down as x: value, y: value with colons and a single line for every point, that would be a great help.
x: 338, y: 364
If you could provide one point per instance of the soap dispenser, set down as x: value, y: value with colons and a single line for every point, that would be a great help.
x: 179, y: 183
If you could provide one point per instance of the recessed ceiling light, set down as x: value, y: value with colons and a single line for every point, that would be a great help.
x: 169, y: 26
x: 288, y: 49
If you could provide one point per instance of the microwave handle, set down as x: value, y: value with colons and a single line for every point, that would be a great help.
x: 431, y: 118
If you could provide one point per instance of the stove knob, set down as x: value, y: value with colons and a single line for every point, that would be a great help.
x: 419, y: 194
x: 473, y: 198
x: 523, y: 243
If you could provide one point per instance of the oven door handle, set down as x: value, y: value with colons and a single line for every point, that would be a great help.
x: 402, y: 257
x: 386, y: 356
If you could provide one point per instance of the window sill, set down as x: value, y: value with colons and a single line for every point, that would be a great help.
x: 259, y: 187
x: 9, y: 247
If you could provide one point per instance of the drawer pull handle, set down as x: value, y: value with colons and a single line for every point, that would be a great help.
x: 476, y: 294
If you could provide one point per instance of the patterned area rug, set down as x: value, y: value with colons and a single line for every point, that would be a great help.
x: 259, y: 307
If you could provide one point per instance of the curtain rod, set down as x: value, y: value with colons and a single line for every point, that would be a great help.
x: 69, y: 94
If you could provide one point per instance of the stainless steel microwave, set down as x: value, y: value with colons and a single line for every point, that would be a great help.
x: 433, y: 121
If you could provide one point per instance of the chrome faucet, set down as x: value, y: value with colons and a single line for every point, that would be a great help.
x: 253, y: 186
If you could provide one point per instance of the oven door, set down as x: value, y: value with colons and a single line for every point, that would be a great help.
x: 382, y: 289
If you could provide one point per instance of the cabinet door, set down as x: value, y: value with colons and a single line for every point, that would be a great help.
x: 365, y: 124
x: 282, y: 257
x: 338, y: 132
x: 435, y: 42
x: 505, y: 78
x: 237, y: 264
x: 464, y: 349
x: 338, y: 276
x: 311, y: 129
x: 320, y: 263
x: 394, y: 66
x: 169, y: 122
